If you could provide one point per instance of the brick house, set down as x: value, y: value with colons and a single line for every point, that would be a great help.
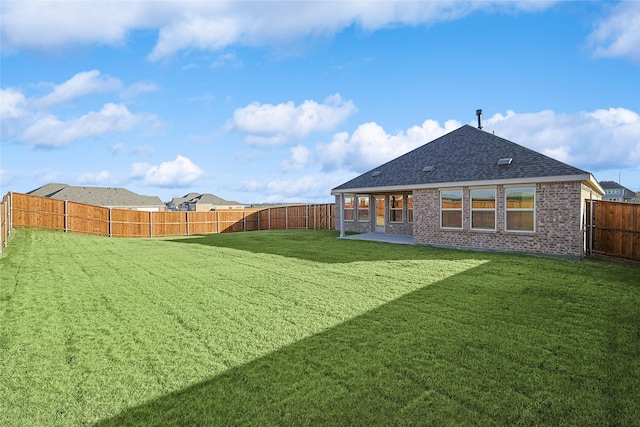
x: 472, y: 189
x: 618, y: 193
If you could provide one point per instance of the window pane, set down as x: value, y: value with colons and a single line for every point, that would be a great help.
x: 452, y: 219
x: 363, y: 208
x: 483, y: 199
x: 395, y: 208
x: 349, y: 202
x: 451, y: 199
x: 520, y: 220
x: 520, y: 198
x: 483, y: 220
x: 348, y: 214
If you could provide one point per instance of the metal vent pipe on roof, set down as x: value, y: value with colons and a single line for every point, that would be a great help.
x: 479, y: 114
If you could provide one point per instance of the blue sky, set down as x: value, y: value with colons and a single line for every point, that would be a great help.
x: 282, y: 101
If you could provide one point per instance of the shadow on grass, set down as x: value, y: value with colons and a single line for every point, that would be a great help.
x: 417, y: 360
x: 322, y: 246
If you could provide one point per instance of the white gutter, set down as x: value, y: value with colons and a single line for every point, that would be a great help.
x: 590, y: 181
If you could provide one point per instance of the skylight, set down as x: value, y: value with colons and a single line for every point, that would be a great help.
x: 427, y: 169
x: 505, y: 161
x: 375, y: 173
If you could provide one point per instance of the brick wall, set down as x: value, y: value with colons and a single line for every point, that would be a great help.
x: 558, y: 222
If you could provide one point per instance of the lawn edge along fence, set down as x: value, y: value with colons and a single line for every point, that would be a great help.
x: 27, y: 211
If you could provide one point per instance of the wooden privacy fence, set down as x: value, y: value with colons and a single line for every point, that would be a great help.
x: 613, y: 229
x: 4, y: 222
x: 53, y: 214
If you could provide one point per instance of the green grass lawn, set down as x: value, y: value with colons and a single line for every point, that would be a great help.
x: 302, y: 328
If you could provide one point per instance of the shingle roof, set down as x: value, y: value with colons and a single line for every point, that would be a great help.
x: 608, y: 185
x: 187, y: 197
x: 47, y: 190
x: 100, y: 196
x: 211, y: 199
x: 467, y: 154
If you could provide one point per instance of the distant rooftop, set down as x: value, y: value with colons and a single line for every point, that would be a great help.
x: 99, y: 196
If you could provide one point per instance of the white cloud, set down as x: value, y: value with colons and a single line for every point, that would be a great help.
x: 94, y: 178
x: 81, y: 84
x: 12, y: 104
x: 210, y: 26
x: 227, y: 60
x: 5, y: 178
x: 49, y: 131
x: 600, y: 139
x: 59, y: 24
x: 177, y: 173
x: 116, y: 148
x: 618, y: 35
x: 370, y: 145
x: 300, y: 158
x: 143, y: 150
x: 267, y: 124
x: 139, y: 88
x: 13, y: 112
x: 308, y: 187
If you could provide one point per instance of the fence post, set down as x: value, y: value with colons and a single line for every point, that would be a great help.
x: 2, y: 239
x: 66, y: 214
x: 187, y: 213
x: 150, y: 224
x: 110, y: 229
x: 10, y: 212
x: 244, y: 215
x: 259, y: 220
x: 269, y: 223
x: 217, y: 222
x: 591, y: 225
x: 286, y: 217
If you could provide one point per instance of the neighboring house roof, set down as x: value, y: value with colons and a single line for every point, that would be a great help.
x: 177, y: 200
x: 211, y: 199
x: 466, y: 156
x: 47, y: 190
x: 610, y: 185
x: 100, y: 196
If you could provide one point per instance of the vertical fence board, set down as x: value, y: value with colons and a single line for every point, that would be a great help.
x: 37, y: 212
x: 87, y: 219
x: 615, y: 229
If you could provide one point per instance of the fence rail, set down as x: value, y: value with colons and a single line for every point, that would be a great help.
x: 613, y: 229
x: 52, y: 214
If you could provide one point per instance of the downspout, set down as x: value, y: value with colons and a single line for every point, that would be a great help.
x: 341, y: 215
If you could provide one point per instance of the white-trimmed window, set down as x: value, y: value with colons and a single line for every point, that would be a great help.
x: 349, y: 208
x: 410, y: 208
x: 395, y: 207
x: 520, y: 208
x: 451, y: 208
x: 363, y: 208
x: 483, y: 209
